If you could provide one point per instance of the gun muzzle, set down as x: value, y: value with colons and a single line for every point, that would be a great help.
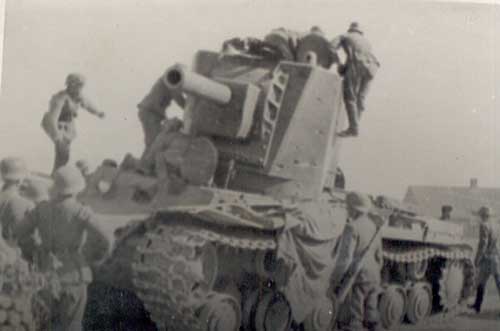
x: 177, y: 78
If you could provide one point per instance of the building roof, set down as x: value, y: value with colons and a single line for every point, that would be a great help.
x: 465, y: 199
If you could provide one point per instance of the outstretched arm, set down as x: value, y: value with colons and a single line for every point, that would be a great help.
x: 97, y: 245
x: 90, y: 107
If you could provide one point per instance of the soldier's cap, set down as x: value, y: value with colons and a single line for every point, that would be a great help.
x: 37, y: 189
x: 484, y: 211
x: 13, y: 168
x: 359, y: 201
x: 173, y: 123
x: 446, y: 208
x: 83, y: 165
x: 355, y: 27
x: 68, y: 180
x: 75, y: 79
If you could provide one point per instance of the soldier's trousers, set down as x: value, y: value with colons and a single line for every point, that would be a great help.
x: 66, y: 313
x: 62, y: 147
x: 151, y: 126
x: 487, y: 267
x: 363, y: 306
x: 62, y: 154
x: 355, y: 88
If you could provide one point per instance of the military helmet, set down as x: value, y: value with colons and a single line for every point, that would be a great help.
x: 484, y: 212
x: 37, y: 190
x: 83, y: 166
x: 446, y: 208
x: 355, y: 27
x: 75, y: 79
x: 68, y: 180
x: 358, y: 201
x: 173, y: 124
x: 13, y: 168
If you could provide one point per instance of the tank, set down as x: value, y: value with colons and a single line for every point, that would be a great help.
x: 248, y: 239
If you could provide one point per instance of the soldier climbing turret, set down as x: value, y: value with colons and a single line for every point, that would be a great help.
x: 152, y: 109
x: 358, y: 70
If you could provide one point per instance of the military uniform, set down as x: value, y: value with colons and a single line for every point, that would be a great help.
x: 488, y: 256
x: 59, y: 121
x: 359, y: 70
x: 360, y: 233
x: 71, y: 241
x: 152, y: 110
x: 13, y: 206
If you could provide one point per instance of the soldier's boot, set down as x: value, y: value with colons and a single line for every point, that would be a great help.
x: 479, y: 300
x: 352, y: 116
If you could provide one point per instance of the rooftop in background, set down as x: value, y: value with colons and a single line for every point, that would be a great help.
x: 464, y: 199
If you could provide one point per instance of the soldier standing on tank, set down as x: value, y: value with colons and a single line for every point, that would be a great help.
x: 59, y: 121
x: 153, y: 107
x: 71, y: 242
x: 488, y: 255
x: 13, y: 206
x: 358, y: 71
x: 360, y: 239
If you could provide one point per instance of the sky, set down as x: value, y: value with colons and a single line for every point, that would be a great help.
x: 432, y: 113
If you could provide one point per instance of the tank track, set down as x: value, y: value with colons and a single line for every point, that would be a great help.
x: 419, y: 254
x: 167, y: 268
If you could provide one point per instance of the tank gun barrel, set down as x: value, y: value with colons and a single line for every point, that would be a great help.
x: 178, y: 78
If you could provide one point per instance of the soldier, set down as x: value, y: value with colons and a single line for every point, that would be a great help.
x: 488, y: 255
x: 71, y: 243
x: 59, y: 121
x: 13, y: 206
x: 152, y: 109
x: 358, y: 71
x: 360, y: 240
x: 446, y: 212
x: 170, y: 130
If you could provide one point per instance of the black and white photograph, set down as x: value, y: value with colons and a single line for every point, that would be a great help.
x: 249, y: 165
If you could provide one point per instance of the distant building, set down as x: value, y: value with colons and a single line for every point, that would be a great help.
x: 428, y: 200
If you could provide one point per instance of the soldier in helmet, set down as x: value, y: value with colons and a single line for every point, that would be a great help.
x: 152, y: 109
x: 360, y: 237
x: 488, y: 255
x: 446, y: 212
x: 13, y: 206
x: 71, y: 242
x: 358, y: 71
x: 59, y: 121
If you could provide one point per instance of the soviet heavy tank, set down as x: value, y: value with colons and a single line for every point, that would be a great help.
x: 248, y: 239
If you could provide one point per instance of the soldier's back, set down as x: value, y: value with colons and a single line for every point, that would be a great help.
x: 365, y: 230
x: 13, y: 209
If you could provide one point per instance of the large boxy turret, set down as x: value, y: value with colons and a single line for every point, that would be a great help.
x: 274, y: 123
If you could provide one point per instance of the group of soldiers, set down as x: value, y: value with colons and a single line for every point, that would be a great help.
x: 54, y: 232
x: 69, y: 240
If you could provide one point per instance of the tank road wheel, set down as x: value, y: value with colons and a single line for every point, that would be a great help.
x: 321, y: 317
x: 273, y: 313
x: 419, y: 303
x: 210, y: 263
x: 417, y: 270
x: 392, y: 306
x: 249, y: 307
x: 221, y: 313
x: 451, y: 285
